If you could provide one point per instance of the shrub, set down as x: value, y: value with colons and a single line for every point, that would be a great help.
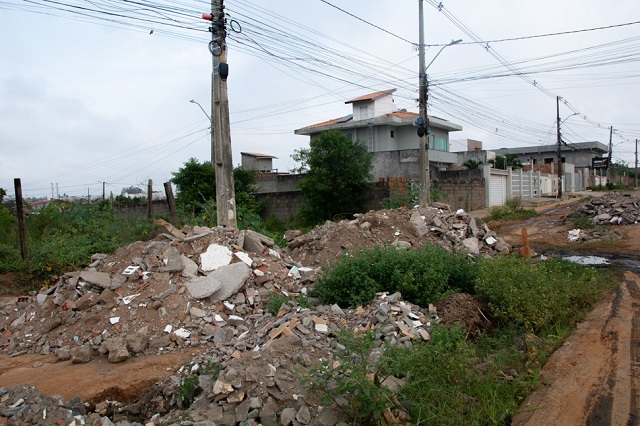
x: 422, y: 276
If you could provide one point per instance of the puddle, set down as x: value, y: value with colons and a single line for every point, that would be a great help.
x: 630, y: 263
x: 588, y: 260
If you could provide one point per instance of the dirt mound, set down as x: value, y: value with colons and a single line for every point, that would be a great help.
x: 464, y: 310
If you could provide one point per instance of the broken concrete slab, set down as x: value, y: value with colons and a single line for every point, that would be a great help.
x: 100, y: 279
x: 202, y: 287
x: 231, y: 278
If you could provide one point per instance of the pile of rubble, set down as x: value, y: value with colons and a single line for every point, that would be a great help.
x: 209, y: 288
x: 612, y: 209
x: 402, y: 228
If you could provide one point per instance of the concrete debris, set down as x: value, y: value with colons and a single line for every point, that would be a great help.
x: 402, y: 228
x: 209, y: 288
x: 612, y: 209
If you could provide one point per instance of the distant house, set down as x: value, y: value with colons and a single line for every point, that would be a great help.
x: 262, y: 163
x: 578, y: 156
x: 390, y: 135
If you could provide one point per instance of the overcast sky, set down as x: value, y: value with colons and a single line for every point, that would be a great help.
x: 89, y: 95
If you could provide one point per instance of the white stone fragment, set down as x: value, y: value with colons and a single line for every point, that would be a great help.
x: 215, y: 257
x: 182, y: 333
x: 114, y: 320
x: 229, y: 306
x: 244, y: 257
x: 490, y: 241
x: 322, y: 328
x: 168, y: 328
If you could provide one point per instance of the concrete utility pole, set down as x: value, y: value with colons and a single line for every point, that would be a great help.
x: 559, y: 147
x: 220, y: 131
x: 423, y: 121
x: 610, y: 152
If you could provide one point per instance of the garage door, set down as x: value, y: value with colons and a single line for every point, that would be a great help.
x: 497, y: 190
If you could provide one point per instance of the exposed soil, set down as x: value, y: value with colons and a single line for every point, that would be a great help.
x: 94, y: 381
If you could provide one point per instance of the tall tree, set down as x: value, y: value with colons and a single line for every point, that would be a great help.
x: 337, y: 176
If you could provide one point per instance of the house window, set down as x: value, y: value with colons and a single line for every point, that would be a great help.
x: 442, y: 144
x: 393, y: 135
x: 548, y: 160
x: 432, y: 142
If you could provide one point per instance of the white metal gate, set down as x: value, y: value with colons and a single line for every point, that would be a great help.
x: 497, y: 190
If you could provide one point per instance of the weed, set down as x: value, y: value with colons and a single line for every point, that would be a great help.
x: 537, y: 296
x: 188, y: 391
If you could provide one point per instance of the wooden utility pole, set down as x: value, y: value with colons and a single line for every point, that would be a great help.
x: 221, y: 156
x: 22, y: 233
x: 610, y: 152
x: 559, y: 147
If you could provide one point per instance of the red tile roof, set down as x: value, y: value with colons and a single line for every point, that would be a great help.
x: 371, y: 96
x: 403, y: 114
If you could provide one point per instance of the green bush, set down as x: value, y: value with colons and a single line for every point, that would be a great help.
x: 423, y: 276
x: 537, y: 296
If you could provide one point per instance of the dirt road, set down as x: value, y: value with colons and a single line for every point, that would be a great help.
x: 593, y: 378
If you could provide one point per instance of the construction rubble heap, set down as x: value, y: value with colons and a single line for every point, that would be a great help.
x: 208, y: 288
x: 612, y: 209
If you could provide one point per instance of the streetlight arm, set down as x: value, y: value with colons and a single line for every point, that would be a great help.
x: 440, y: 51
x: 205, y: 112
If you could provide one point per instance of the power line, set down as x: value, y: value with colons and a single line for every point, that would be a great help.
x: 369, y: 23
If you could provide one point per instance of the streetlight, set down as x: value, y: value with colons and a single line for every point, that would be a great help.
x: 559, y: 147
x: 423, y: 120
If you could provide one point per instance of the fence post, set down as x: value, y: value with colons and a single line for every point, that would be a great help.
x: 20, y: 211
x: 172, y: 203
x: 150, y: 199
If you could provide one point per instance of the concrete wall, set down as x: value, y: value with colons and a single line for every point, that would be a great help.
x: 159, y: 208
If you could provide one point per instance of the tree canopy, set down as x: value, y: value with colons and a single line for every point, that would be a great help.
x: 337, y: 176
x: 507, y: 160
x: 196, y: 186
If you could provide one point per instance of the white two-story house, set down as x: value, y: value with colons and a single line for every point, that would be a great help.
x: 391, y: 135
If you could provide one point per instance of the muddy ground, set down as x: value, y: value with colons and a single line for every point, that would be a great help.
x: 591, y: 379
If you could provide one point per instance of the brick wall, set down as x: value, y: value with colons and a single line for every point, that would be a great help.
x: 462, y: 189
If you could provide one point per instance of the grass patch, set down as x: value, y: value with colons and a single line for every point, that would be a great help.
x: 512, y: 209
